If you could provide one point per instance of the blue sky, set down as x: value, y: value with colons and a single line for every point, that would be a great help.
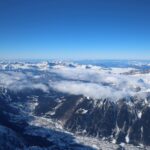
x: 75, y: 29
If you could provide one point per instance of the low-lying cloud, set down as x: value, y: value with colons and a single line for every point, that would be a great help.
x: 18, y: 81
x: 97, y: 82
x: 92, y: 90
x: 92, y: 81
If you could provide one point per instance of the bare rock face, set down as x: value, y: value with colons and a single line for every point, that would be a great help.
x: 122, y: 121
x: 17, y: 133
x: 96, y: 121
x: 9, y: 139
x: 145, y: 125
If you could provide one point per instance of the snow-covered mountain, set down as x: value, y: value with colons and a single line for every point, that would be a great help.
x: 74, y: 105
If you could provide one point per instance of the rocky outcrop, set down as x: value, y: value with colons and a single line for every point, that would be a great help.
x: 123, y: 121
x: 9, y: 139
x: 116, y: 121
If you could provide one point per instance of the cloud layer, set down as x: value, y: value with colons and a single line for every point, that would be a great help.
x: 97, y: 82
x: 19, y: 80
x: 88, y: 80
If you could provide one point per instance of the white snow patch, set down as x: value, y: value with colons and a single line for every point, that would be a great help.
x: 127, y: 138
x: 139, y: 114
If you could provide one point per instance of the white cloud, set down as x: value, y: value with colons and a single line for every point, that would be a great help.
x: 92, y: 90
x: 102, y: 82
x: 18, y: 81
x: 91, y: 81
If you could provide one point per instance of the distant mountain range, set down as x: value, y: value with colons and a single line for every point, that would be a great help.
x: 80, y: 105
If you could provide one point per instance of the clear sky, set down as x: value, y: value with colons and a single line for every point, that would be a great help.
x: 78, y: 29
